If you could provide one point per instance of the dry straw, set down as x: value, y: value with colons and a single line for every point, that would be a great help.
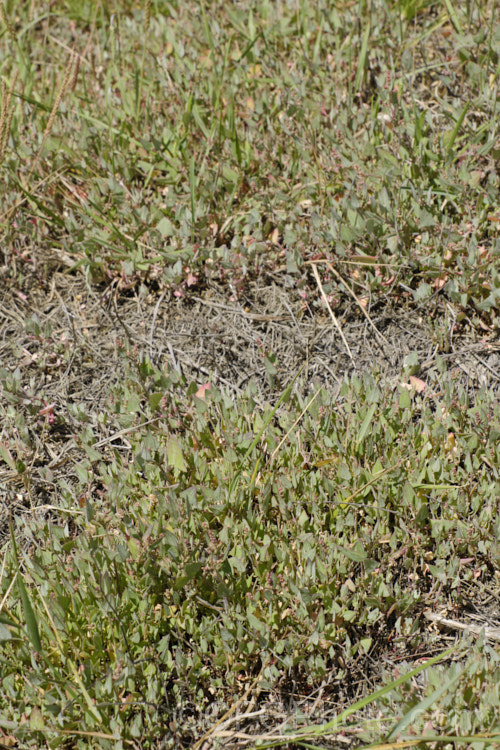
x: 6, y: 113
x: 147, y: 14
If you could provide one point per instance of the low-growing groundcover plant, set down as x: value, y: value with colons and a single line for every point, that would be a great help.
x: 228, y: 543
x: 187, y: 145
x: 203, y: 549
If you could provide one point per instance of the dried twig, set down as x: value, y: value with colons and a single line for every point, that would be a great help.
x: 257, y: 317
x: 491, y: 633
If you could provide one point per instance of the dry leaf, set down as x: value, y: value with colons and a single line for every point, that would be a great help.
x: 200, y: 393
x: 418, y: 384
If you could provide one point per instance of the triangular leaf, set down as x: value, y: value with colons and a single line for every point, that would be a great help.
x: 175, y: 457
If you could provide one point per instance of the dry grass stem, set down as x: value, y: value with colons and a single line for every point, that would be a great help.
x: 294, y: 425
x: 213, y: 729
x: 68, y: 77
x: 332, y: 314
x: 147, y: 14
x: 6, y: 113
x: 355, y: 298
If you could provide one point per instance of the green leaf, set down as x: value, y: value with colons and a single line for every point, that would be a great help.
x: 367, y: 422
x: 5, y: 634
x: 154, y: 400
x: 255, y: 623
x: 438, y: 573
x: 36, y: 720
x: 165, y: 227
x: 365, y: 644
x: 82, y: 472
x: 7, y: 457
x: 283, y: 399
x: 92, y: 454
x: 270, y: 366
x: 404, y: 398
x: 351, y: 554
x: 29, y: 615
x: 408, y: 493
x: 423, y: 292
x: 192, y: 569
x: 175, y: 457
x: 410, y: 363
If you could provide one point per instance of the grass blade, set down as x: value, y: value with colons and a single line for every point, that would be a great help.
x: 192, y: 188
x: 362, y: 59
x: 454, y: 133
x: 29, y: 614
x: 424, y: 704
x: 453, y: 16
x: 337, y: 721
x: 76, y: 676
